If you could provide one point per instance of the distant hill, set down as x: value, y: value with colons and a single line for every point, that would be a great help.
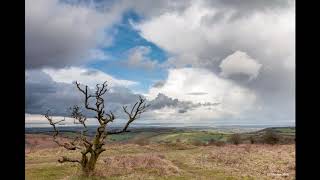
x: 184, y: 135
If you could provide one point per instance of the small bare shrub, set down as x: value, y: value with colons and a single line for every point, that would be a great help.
x: 271, y: 137
x: 252, y: 140
x: 211, y: 142
x: 235, y: 139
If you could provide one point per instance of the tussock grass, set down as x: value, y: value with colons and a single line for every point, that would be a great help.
x: 146, y: 163
x: 173, y: 160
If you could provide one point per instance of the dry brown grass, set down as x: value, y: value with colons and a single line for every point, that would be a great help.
x: 41, y: 141
x: 147, y: 163
x: 178, y: 160
x: 265, y: 161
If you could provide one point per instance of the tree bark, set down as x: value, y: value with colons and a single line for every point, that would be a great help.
x: 89, y: 166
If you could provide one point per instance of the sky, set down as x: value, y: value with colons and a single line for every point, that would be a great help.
x: 195, y: 61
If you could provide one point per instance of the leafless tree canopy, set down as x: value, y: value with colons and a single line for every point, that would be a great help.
x: 91, y: 149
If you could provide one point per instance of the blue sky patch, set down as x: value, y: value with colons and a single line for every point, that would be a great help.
x: 126, y: 38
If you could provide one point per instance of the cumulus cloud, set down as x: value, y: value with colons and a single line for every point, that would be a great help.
x: 59, y: 34
x: 226, y: 102
x: 214, y: 41
x: 233, y: 98
x: 240, y: 63
x: 265, y: 35
x: 180, y: 27
x: 90, y: 77
x: 265, y: 31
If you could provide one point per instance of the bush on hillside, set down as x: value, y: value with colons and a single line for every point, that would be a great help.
x: 271, y: 137
x: 252, y: 140
x: 235, y: 139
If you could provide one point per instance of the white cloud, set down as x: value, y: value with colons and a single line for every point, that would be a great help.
x: 233, y: 98
x: 194, y: 31
x: 204, y: 33
x: 180, y: 37
x: 240, y: 63
x: 89, y: 77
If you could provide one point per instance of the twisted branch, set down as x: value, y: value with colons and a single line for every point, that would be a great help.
x: 64, y: 159
x: 68, y: 146
x: 137, y: 109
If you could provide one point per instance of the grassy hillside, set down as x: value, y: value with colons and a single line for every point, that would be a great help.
x: 169, y: 154
x: 156, y: 161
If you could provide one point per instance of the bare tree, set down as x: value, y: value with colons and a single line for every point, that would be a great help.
x: 91, y: 149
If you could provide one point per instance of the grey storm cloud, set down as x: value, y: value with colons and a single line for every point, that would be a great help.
x: 42, y: 94
x: 162, y: 101
x: 90, y: 72
x: 241, y: 7
x: 245, y: 8
x: 59, y: 34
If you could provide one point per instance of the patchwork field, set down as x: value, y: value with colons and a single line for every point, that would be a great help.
x: 168, y: 155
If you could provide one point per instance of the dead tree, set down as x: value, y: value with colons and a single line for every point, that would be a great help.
x: 91, y: 149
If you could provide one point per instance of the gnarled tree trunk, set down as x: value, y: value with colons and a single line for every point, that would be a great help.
x: 89, y: 166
